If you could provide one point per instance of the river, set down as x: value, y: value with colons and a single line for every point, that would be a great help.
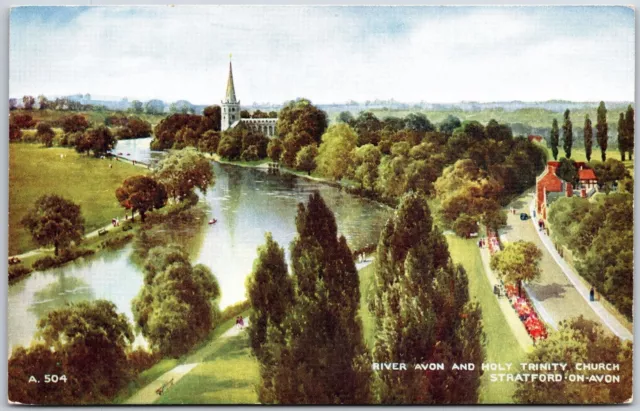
x: 247, y: 203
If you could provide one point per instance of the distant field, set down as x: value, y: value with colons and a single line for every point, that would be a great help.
x: 579, y: 154
x: 35, y: 171
x: 96, y: 117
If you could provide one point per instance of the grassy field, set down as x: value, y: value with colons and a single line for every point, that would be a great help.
x: 501, y: 345
x: 35, y: 171
x: 96, y: 117
x: 228, y: 374
x: 367, y: 275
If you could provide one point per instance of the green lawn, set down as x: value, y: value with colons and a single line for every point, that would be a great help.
x: 35, y: 171
x: 229, y: 374
x: 501, y: 345
x: 366, y: 289
x: 579, y: 154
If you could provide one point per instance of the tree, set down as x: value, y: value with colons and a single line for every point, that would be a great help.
x: 622, y: 136
x: 139, y: 127
x: 214, y: 114
x: 165, y: 132
x: 270, y: 291
x: 579, y: 340
x: 299, y: 124
x: 43, y: 103
x: 568, y: 171
x: 73, y: 123
x: 230, y: 146
x: 28, y: 102
x: 141, y: 194
x: 320, y: 356
x: 154, y: 107
x: 54, y: 221
x: 368, y: 128
x: 366, y: 161
x: 306, y: 159
x: 567, y: 134
x: 423, y: 312
x: 137, y: 107
x: 449, y: 124
x: 15, y: 134
x: 209, y: 142
x: 69, y: 339
x: 518, y: 261
x: 418, y: 122
x: 334, y: 155
x: 259, y: 114
x: 465, y: 189
x: 98, y: 140
x: 602, y: 130
x: 554, y: 138
x: 45, y: 133
x: 346, y: 117
x: 630, y: 131
x: 176, y: 307
x: 275, y: 149
x: 250, y: 154
x: 588, y: 136
x: 183, y: 171
x: 609, y: 173
x: 13, y: 104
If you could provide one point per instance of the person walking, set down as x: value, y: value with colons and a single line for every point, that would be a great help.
x: 592, y: 294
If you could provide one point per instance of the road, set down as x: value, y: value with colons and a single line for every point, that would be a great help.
x: 556, y: 295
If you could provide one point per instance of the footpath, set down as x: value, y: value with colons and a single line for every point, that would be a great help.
x: 607, y: 319
x: 517, y: 327
x: 148, y: 394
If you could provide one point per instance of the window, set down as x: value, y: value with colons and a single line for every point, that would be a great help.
x: 233, y: 117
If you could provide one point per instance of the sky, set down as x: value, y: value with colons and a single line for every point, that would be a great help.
x: 327, y: 54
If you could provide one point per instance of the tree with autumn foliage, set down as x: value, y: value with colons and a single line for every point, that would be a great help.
x: 141, y: 194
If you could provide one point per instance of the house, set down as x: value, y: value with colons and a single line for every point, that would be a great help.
x: 550, y: 187
x: 535, y: 138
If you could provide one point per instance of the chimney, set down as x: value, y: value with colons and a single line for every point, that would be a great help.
x: 569, y: 190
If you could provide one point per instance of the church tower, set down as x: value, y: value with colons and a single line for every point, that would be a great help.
x: 230, y: 106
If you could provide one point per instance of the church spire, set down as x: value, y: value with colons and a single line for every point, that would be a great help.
x: 231, y: 91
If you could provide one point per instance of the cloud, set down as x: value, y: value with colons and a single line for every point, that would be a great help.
x: 328, y: 54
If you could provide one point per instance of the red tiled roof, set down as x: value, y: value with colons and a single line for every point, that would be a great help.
x: 534, y: 137
x: 587, y: 174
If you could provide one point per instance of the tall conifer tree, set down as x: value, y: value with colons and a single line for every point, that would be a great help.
x: 622, y: 136
x: 630, y: 130
x: 567, y: 134
x: 602, y: 130
x: 423, y: 312
x: 320, y: 354
x: 588, y: 136
x: 554, y: 138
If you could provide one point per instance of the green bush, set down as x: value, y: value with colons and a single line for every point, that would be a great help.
x: 18, y: 271
x: 65, y: 256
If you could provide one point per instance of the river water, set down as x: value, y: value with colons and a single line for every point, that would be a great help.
x: 247, y: 203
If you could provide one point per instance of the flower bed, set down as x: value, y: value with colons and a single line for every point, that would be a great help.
x: 522, y: 305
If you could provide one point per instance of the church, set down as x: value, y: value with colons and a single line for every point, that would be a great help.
x: 231, y: 113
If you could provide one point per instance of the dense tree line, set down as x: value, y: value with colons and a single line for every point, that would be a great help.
x: 579, y: 341
x: 600, y: 235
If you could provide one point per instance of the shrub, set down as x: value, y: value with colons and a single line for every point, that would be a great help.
x: 18, y: 271
x: 65, y: 256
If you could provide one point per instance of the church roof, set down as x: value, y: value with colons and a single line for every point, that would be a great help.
x: 230, y: 97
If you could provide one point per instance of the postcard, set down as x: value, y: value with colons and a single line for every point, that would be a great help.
x: 321, y: 205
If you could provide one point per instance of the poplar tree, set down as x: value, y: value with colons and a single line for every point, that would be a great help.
x: 630, y: 130
x: 423, y: 313
x: 270, y: 291
x: 555, y: 137
x: 567, y: 134
x: 622, y: 136
x: 588, y: 136
x: 602, y: 130
x: 319, y: 357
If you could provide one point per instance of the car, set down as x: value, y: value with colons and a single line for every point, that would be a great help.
x: 524, y: 216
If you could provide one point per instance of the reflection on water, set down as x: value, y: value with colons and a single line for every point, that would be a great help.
x: 246, y: 202
x: 138, y: 149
